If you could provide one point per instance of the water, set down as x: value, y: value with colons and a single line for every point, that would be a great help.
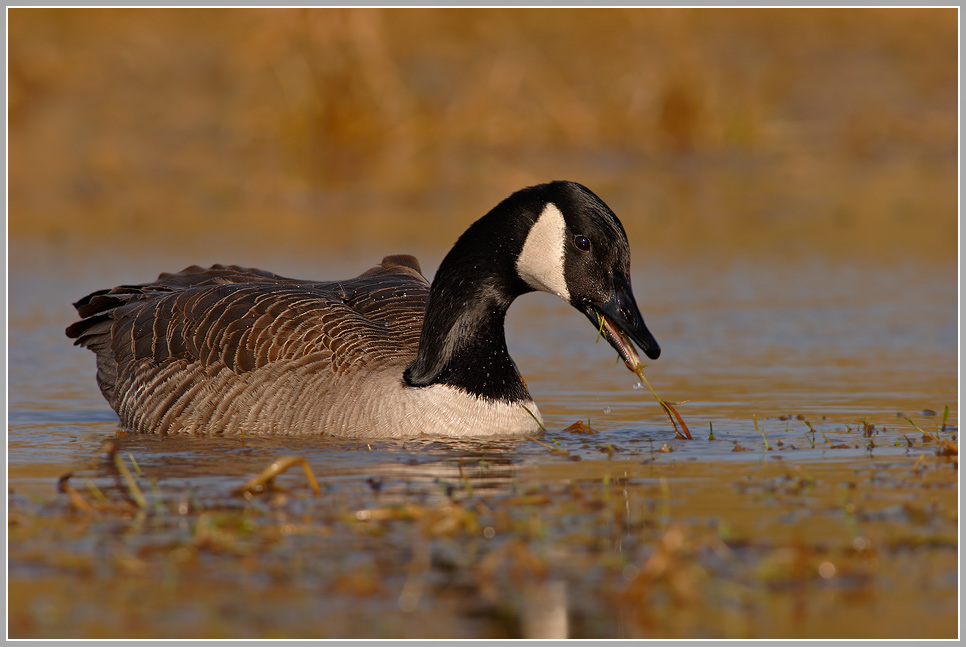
x: 833, y: 343
x: 827, y: 341
x: 781, y: 346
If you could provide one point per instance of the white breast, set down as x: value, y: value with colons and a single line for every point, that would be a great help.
x: 400, y: 411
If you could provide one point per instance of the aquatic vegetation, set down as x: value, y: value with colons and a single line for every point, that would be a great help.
x: 762, y: 431
x: 633, y: 362
x: 672, y: 413
x: 111, y: 447
x: 267, y: 476
x: 609, y: 547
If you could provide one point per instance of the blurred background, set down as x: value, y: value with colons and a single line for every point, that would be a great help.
x: 780, y: 133
x: 787, y: 179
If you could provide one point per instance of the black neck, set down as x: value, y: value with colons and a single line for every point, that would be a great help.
x: 463, y: 343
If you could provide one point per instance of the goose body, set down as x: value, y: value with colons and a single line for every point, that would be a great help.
x: 386, y: 354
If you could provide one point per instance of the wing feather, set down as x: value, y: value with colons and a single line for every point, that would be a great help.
x: 245, y: 320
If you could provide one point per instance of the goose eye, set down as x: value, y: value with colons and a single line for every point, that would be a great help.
x: 582, y: 243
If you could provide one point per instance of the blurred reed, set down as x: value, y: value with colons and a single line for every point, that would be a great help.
x: 806, y: 130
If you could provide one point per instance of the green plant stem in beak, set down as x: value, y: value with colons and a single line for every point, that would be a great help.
x: 633, y: 362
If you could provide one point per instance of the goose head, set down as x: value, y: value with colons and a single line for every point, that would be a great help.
x: 558, y: 238
x: 577, y: 249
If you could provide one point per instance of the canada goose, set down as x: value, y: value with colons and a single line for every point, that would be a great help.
x: 385, y: 354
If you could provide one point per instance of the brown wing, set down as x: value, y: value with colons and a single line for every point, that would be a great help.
x: 247, y: 318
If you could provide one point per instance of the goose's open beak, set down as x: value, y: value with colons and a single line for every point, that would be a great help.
x: 620, y: 321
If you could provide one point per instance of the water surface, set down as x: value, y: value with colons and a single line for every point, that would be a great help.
x: 810, y: 353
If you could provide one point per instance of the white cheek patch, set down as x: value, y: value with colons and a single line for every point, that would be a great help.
x: 541, y: 261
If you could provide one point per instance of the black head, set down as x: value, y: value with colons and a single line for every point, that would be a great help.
x: 578, y: 250
x: 558, y: 238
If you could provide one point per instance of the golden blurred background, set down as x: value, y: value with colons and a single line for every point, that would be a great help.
x: 793, y: 131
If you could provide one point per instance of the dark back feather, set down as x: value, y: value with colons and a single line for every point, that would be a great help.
x: 247, y: 319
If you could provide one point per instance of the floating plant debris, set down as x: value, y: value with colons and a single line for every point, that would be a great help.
x: 265, y: 478
x: 581, y: 427
x: 554, y: 451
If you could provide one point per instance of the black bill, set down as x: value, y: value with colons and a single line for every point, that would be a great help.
x: 621, y: 323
